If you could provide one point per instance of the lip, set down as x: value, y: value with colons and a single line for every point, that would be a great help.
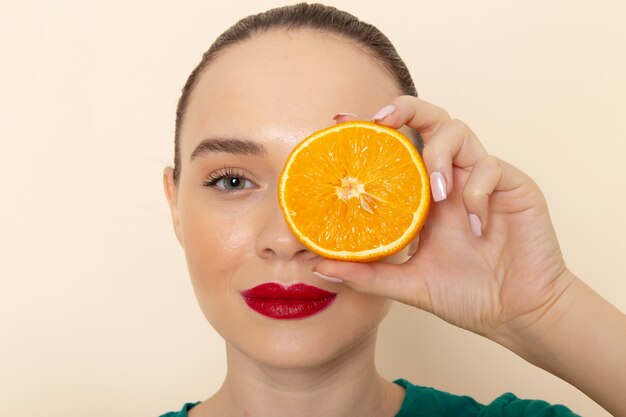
x: 293, y: 302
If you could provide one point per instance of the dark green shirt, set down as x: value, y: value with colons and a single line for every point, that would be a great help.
x: 429, y: 402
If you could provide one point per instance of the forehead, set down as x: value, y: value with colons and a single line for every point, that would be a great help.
x: 282, y: 86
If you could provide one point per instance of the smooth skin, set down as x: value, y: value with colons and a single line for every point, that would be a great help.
x: 510, y: 284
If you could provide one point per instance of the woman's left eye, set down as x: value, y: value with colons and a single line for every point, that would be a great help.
x: 228, y: 181
x: 233, y: 183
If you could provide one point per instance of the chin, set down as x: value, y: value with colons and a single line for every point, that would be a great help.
x: 348, y: 327
x: 306, y: 349
x: 295, y: 360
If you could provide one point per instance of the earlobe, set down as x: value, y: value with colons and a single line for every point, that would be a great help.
x: 171, y: 193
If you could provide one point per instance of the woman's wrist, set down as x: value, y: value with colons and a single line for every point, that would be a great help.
x: 532, y: 336
x: 580, y: 338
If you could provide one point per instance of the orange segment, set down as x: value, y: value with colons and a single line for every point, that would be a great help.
x: 356, y: 191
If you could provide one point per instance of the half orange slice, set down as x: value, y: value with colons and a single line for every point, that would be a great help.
x: 355, y: 191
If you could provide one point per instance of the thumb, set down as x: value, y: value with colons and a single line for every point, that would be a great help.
x: 396, y: 282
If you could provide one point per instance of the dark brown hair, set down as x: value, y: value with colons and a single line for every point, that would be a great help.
x: 300, y: 16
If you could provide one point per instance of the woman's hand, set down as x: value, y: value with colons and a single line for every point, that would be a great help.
x: 488, y: 259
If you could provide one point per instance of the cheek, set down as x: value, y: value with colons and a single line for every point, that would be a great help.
x: 215, y: 247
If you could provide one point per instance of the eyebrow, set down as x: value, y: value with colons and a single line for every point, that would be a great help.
x: 232, y: 146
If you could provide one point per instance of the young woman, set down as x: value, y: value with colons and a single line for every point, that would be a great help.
x: 488, y: 259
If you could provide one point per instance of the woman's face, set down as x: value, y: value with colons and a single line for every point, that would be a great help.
x: 272, y: 90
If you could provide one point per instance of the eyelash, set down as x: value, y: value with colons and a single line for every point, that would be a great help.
x: 228, y: 172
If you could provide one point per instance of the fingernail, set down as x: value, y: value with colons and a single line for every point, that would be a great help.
x: 335, y: 117
x: 475, y: 225
x: 384, y: 112
x: 438, y: 186
x: 327, y: 278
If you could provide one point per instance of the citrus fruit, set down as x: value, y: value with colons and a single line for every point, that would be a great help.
x: 355, y: 191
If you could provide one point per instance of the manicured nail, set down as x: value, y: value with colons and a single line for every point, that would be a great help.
x: 475, y: 225
x: 327, y: 278
x: 335, y: 117
x: 438, y: 186
x: 384, y: 112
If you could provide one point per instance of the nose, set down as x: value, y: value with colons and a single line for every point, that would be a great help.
x: 275, y: 241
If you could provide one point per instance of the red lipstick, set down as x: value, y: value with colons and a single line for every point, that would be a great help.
x: 293, y: 302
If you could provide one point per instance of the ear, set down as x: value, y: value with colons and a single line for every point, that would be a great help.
x: 171, y: 193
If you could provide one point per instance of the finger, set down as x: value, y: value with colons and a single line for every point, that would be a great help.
x: 345, y: 117
x: 489, y: 175
x: 391, y: 281
x: 481, y: 183
x: 413, y: 112
x: 453, y: 144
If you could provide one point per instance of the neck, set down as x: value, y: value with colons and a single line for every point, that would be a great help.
x: 349, y: 384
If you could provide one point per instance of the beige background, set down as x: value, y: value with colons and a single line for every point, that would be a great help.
x: 97, y: 315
